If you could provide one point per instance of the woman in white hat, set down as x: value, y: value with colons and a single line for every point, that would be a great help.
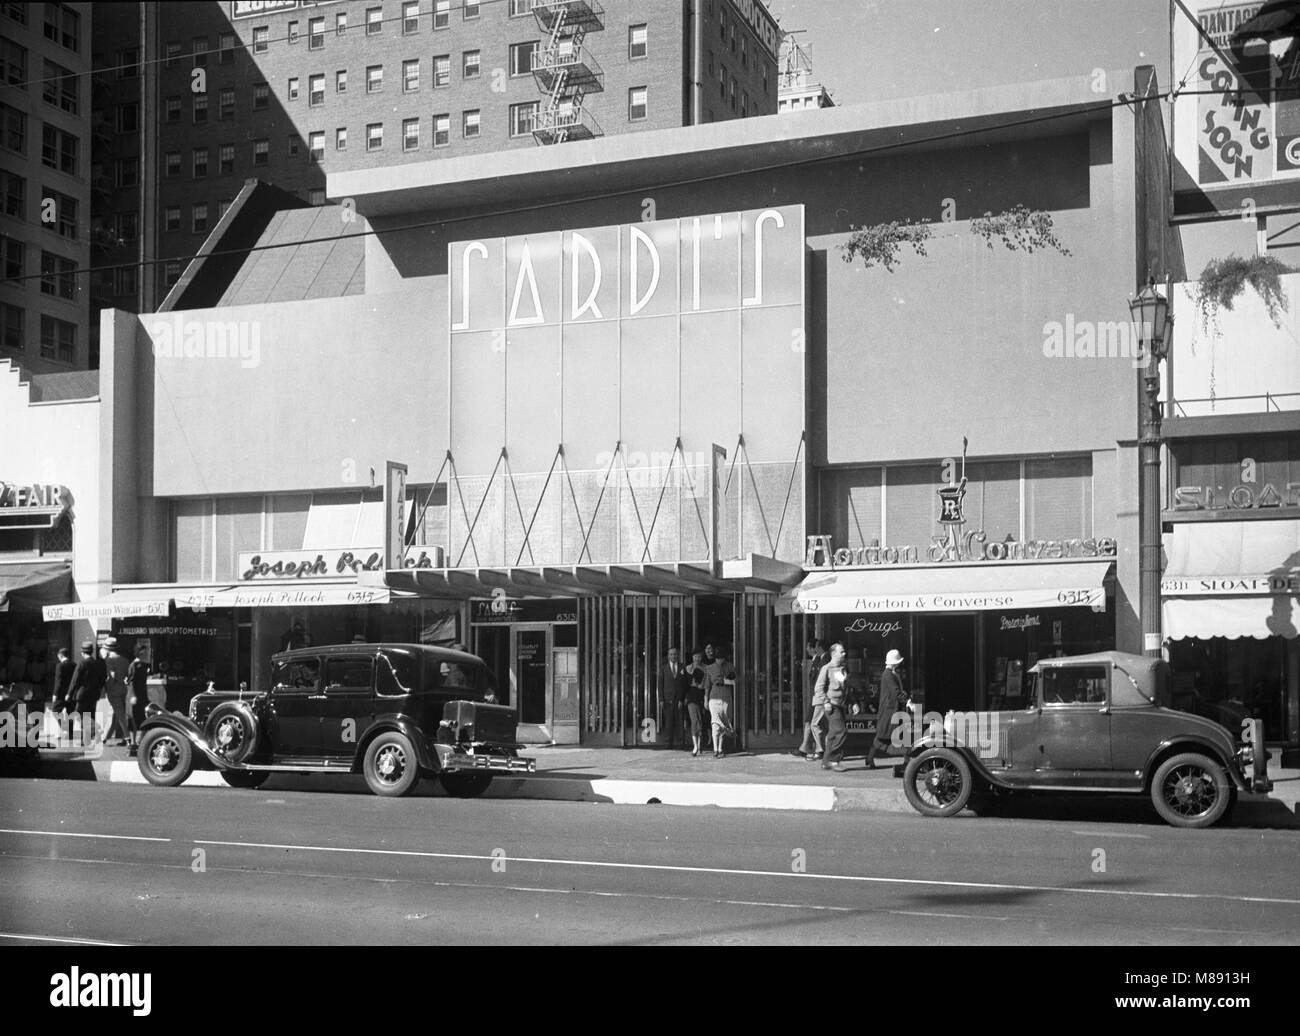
x: 893, y: 699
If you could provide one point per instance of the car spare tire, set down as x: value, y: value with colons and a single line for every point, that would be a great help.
x: 233, y: 731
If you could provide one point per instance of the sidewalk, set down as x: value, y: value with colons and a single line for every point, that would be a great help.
x: 639, y: 776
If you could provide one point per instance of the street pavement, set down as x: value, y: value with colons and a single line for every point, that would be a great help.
x: 116, y: 863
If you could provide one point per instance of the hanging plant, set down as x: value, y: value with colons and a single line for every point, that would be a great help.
x: 1223, y: 280
x: 1019, y: 229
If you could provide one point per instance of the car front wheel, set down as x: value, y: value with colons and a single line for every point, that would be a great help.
x: 462, y: 785
x: 165, y: 757
x: 390, y: 765
x: 937, y: 782
x: 1191, y: 790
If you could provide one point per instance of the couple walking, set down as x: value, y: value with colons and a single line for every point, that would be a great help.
x: 827, y: 729
x: 709, y: 682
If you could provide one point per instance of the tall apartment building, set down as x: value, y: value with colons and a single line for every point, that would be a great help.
x: 283, y: 91
x: 45, y: 185
x: 799, y: 88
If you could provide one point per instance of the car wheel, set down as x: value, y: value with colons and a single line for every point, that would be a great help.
x: 1190, y: 790
x: 232, y: 731
x: 390, y: 765
x: 937, y: 782
x: 165, y: 757
x: 462, y: 785
x: 245, y: 778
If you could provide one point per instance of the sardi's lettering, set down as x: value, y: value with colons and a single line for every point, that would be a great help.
x: 24, y: 494
x: 698, y: 263
x: 972, y: 546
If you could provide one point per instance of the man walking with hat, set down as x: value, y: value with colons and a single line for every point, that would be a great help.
x: 115, y: 686
x: 893, y: 699
x: 86, y: 686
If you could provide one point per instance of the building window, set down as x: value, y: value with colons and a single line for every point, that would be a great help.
x: 744, y: 53
x: 470, y: 9
x: 341, y: 81
x: 522, y: 118
x: 172, y: 163
x: 199, y: 217
x: 519, y: 8
x: 293, y: 88
x: 223, y: 206
x: 124, y: 280
x: 340, y: 23
x: 261, y: 96
x: 410, y: 18
x: 315, y: 33
x: 410, y: 134
x: 261, y: 36
x: 128, y: 63
x: 410, y: 76
x: 65, y: 210
x: 171, y: 274
x: 199, y: 162
x: 637, y: 42
x: 374, y: 21
x: 226, y: 158
x: 442, y: 70
x: 522, y: 58
x: 173, y: 109
x: 58, y: 276
x: 126, y: 172
x: 199, y: 48
x: 14, y: 254
x: 261, y: 151
x: 295, y: 144
x: 374, y: 136
x: 226, y: 44
x: 441, y: 13
x: 58, y: 338
x: 316, y: 145
x: 470, y: 122
x: 441, y: 130
x: 200, y: 108
x: 11, y: 327
x: 63, y: 26
x: 341, y: 139
x: 13, y: 129
x: 316, y: 91
x: 470, y: 64
x: 173, y: 54
x: 293, y: 32
x: 374, y: 79
x: 13, y: 195
x: 226, y: 103
x: 128, y: 226
x: 316, y: 196
x: 13, y: 64
x: 172, y: 218
x: 59, y: 149
x: 60, y: 88
x: 636, y: 104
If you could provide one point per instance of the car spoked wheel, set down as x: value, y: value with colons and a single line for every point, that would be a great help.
x: 1190, y: 790
x: 390, y: 765
x: 165, y: 758
x: 937, y: 782
x: 232, y: 732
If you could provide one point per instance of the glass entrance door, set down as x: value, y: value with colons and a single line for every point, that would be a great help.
x: 531, y: 678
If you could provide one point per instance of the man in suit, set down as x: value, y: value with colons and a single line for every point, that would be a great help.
x: 814, y: 731
x: 832, y: 686
x: 893, y: 699
x: 87, y: 684
x: 673, y: 681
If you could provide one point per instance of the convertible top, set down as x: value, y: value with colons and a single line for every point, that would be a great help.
x: 1148, y: 678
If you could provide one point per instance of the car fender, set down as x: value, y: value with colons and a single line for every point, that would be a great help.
x: 189, y: 730
x: 978, y: 769
x: 1193, y: 742
x: 403, y: 725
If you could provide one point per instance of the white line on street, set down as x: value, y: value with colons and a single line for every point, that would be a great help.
x: 80, y: 834
x: 1110, y: 834
x: 864, y: 879
x: 61, y: 939
x: 960, y: 917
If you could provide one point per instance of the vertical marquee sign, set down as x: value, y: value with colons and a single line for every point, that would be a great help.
x: 634, y: 337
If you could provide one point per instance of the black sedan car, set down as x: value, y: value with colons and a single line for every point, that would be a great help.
x: 392, y: 712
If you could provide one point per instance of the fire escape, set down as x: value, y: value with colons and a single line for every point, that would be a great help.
x: 565, y: 69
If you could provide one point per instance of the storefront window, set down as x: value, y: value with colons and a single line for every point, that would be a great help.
x: 1230, y: 680
x: 1015, y: 641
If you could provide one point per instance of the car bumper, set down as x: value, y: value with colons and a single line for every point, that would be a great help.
x: 450, y: 758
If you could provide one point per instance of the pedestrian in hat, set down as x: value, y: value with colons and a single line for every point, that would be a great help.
x: 115, y: 688
x: 893, y: 699
x: 85, y: 688
x: 137, y: 676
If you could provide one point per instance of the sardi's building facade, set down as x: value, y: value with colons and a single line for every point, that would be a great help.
x: 625, y: 395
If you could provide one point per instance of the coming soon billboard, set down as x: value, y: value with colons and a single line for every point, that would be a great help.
x: 1236, y: 122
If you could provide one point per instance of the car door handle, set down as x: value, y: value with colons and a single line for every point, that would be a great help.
x: 316, y: 697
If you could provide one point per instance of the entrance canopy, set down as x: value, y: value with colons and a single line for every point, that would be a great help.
x: 1232, y: 579
x: 34, y: 584
x: 158, y: 600
x: 950, y: 588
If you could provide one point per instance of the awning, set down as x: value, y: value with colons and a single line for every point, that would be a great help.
x: 950, y: 588
x: 159, y: 600
x: 121, y: 604
x: 1231, y: 579
x: 34, y: 584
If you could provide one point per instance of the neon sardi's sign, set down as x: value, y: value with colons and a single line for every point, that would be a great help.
x: 694, y: 264
x: 953, y: 544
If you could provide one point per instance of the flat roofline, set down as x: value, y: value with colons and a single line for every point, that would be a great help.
x: 635, y: 160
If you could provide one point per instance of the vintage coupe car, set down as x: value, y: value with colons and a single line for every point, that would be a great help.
x: 1097, y: 723
x: 392, y: 712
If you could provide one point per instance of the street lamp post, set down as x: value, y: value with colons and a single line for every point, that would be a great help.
x: 1153, y: 323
